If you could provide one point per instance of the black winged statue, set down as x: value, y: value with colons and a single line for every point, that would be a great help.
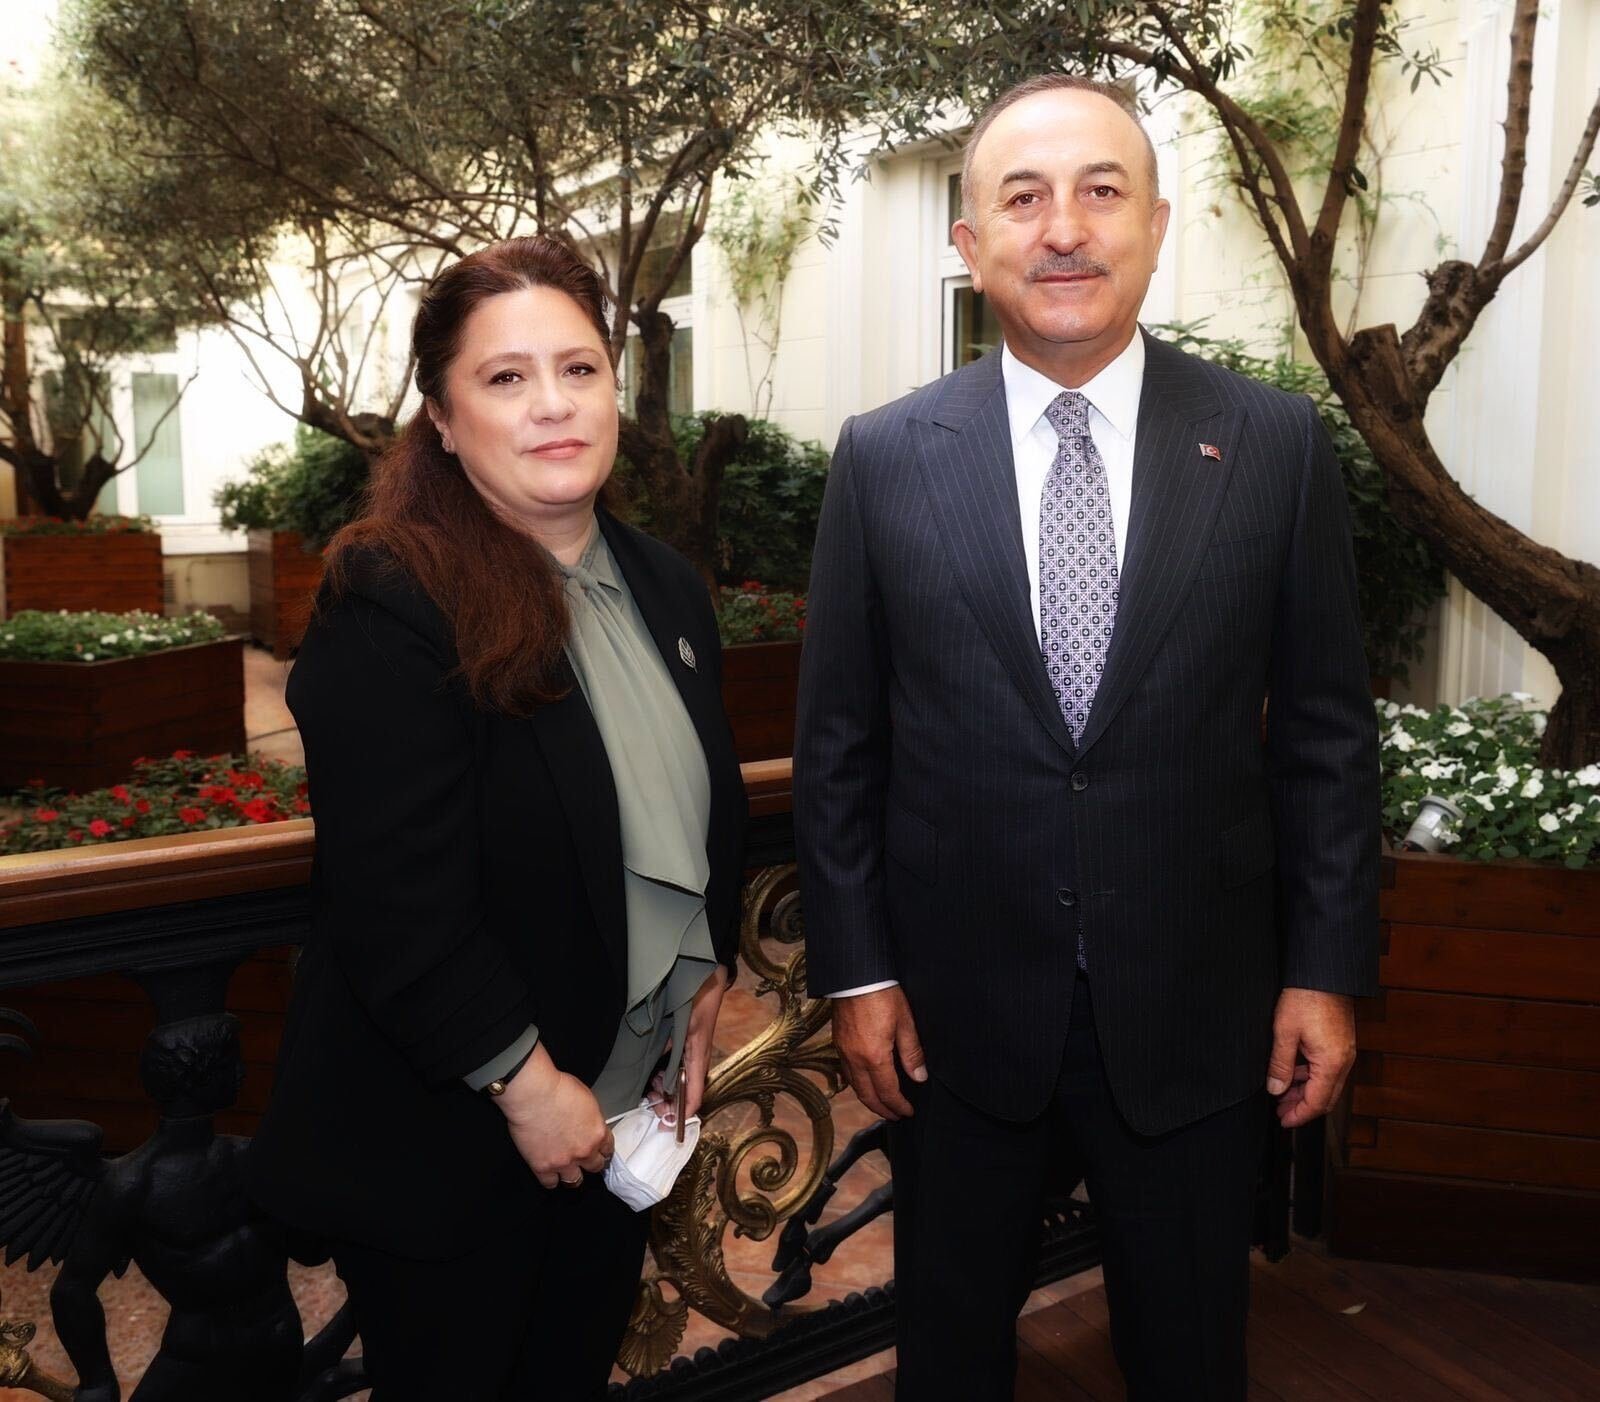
x: 176, y: 1206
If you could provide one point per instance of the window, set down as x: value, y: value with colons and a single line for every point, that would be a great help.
x: 653, y: 268
x: 79, y: 427
x: 952, y: 199
x: 160, y: 470
x: 680, y: 377
x: 974, y: 329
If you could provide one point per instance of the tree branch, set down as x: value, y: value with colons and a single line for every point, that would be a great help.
x: 1352, y: 123
x: 1519, y: 108
x: 1569, y: 187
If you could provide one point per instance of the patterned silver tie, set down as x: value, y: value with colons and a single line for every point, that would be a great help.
x: 1077, y: 568
x: 1077, y: 563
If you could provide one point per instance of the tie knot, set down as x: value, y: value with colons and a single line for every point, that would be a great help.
x: 1068, y: 414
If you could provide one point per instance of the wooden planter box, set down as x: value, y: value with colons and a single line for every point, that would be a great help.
x: 284, y: 577
x: 1472, y: 1137
x: 80, y: 725
x: 109, y: 573
x: 759, y: 681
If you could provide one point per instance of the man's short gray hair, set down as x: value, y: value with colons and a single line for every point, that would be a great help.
x: 1051, y: 82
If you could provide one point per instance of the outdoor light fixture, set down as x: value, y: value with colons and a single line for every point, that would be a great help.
x: 1436, y: 817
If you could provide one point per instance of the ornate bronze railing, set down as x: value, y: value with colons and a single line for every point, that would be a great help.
x: 178, y: 916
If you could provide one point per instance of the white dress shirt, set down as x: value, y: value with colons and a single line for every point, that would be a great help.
x: 1113, y: 397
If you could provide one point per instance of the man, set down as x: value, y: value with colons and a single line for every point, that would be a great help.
x: 1042, y: 839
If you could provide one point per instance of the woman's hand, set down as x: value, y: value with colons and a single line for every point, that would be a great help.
x: 555, y: 1122
x: 696, y: 1051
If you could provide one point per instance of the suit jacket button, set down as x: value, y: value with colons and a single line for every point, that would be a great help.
x: 1080, y: 781
x: 1067, y: 897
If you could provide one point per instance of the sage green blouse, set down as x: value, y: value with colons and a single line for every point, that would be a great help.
x: 664, y: 804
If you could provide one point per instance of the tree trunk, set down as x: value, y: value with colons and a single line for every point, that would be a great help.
x: 684, y: 498
x: 1552, y: 601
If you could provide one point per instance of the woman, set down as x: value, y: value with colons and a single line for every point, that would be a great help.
x: 530, y: 825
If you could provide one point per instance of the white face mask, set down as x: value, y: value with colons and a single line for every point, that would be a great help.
x: 647, y: 1157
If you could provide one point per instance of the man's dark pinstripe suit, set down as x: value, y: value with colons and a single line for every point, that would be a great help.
x: 953, y: 837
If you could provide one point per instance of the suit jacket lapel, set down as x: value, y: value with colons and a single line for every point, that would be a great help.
x: 576, y: 755
x: 1176, y: 495
x: 965, y: 452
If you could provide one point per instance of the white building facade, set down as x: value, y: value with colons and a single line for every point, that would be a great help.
x: 886, y: 305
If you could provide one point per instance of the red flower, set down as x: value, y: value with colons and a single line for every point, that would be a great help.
x: 218, y: 793
x: 35, y: 783
x: 141, y: 805
x: 259, y: 810
x: 301, y: 806
x: 46, y: 815
x: 76, y: 835
x: 121, y: 794
x: 183, y: 754
x: 302, y: 788
x: 192, y: 815
x: 140, y: 761
x: 129, y: 821
x: 249, y: 779
x: 99, y: 827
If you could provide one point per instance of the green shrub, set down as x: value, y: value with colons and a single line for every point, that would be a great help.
x: 771, y: 498
x: 1397, y: 577
x: 186, y: 793
x: 1483, y: 756
x: 313, y: 486
x: 35, y: 636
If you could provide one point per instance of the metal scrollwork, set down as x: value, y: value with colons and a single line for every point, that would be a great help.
x: 787, y: 1059
x: 18, y: 1370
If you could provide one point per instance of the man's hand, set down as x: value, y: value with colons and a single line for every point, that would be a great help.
x: 1321, y: 1028
x: 870, y: 1029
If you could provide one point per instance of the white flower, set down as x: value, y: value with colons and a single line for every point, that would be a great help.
x: 1588, y: 776
x: 1549, y: 822
x: 1448, y: 836
x: 1402, y: 741
x: 1417, y: 711
x: 1434, y: 770
x: 1522, y: 696
x: 1485, y: 800
x: 88, y: 657
x: 1457, y: 729
x: 1532, y: 789
x: 1507, y: 777
x: 1390, y: 709
x: 1540, y: 720
x: 108, y: 639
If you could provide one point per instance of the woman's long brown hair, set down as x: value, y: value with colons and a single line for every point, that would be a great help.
x: 498, y: 587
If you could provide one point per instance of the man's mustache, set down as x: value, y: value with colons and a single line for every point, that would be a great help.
x: 1067, y: 265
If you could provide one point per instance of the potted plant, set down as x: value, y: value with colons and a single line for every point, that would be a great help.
x: 84, y: 695
x: 109, y: 563
x: 291, y: 501
x: 769, y: 501
x: 1471, y: 1137
x: 761, y: 632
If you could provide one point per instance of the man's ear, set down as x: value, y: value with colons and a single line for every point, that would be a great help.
x: 965, y: 239
x: 1160, y: 214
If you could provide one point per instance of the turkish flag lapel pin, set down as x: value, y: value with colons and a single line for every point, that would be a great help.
x: 1210, y: 450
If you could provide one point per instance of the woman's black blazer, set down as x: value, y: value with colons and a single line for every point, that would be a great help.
x: 467, y: 882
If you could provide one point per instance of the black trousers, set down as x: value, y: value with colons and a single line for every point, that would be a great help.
x: 1175, y: 1215
x: 535, y: 1314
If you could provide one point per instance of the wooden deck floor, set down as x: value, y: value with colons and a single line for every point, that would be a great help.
x: 1331, y: 1331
